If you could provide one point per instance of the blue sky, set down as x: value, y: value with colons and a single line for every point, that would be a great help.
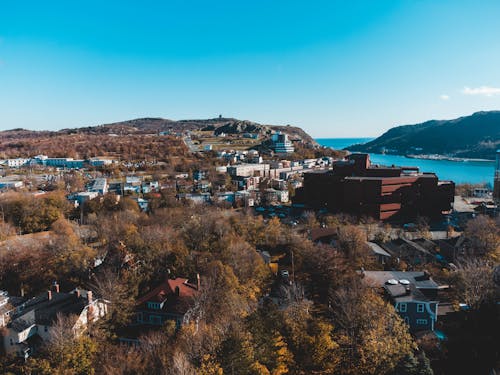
x: 335, y: 68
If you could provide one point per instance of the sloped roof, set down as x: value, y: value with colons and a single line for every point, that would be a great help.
x: 377, y: 249
x: 168, y: 287
x: 166, y: 292
x: 41, y: 310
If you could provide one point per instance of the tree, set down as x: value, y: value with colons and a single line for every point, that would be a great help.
x: 372, y: 337
x: 209, y: 366
x: 413, y: 364
x: 119, y: 295
x: 475, y: 282
x: 484, y: 236
x: 68, y: 352
x: 352, y: 242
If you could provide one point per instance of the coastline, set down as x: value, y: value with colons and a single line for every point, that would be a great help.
x: 448, y: 158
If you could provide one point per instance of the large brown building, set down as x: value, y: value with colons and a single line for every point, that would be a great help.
x: 356, y: 187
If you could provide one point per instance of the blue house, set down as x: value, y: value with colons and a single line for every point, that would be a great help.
x: 413, y: 294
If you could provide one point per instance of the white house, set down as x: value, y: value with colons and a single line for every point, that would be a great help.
x: 31, y: 323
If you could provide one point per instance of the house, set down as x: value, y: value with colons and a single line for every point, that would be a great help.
x: 325, y: 236
x: 7, y: 183
x: 413, y: 294
x: 31, y: 322
x: 199, y: 175
x: 195, y: 198
x: 132, y: 184
x: 142, y: 203
x: 227, y: 196
x: 380, y: 255
x: 414, y: 252
x: 168, y: 301
x: 150, y: 187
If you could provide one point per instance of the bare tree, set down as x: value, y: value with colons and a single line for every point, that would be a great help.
x: 109, y: 286
x: 181, y: 365
x: 484, y: 236
x: 475, y: 281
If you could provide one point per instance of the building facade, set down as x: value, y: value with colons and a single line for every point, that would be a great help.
x: 281, y: 144
x: 356, y: 187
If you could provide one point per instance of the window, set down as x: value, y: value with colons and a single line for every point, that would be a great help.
x: 422, y: 321
x: 420, y: 307
x: 402, y: 307
x: 155, y: 319
x: 154, y: 305
x: 45, y: 328
x: 139, y: 317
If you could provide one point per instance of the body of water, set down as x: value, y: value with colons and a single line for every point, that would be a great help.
x: 460, y: 172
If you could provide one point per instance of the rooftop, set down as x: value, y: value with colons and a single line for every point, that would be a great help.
x: 42, y: 310
x: 421, y: 280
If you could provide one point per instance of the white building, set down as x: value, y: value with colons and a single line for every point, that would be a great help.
x: 85, y: 196
x: 100, y: 186
x: 31, y: 322
x: 99, y: 162
x: 281, y: 144
x: 17, y: 163
x: 248, y: 170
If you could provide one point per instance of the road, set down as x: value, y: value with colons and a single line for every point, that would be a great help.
x: 189, y: 143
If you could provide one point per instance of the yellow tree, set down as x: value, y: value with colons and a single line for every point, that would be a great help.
x: 372, y: 337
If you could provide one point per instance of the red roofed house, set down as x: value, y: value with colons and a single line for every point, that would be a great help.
x: 168, y: 301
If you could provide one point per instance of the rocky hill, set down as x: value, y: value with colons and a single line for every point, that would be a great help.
x: 475, y: 136
x: 218, y: 125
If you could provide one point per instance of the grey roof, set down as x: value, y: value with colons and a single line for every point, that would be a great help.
x: 41, y: 310
x: 377, y: 249
x: 421, y: 280
x: 402, y: 293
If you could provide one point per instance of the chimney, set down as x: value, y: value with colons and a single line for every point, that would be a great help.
x: 90, y: 313
x: 55, y: 287
x: 49, y: 295
x: 407, y: 290
x: 177, y: 291
x: 89, y: 296
x: 77, y: 292
x: 198, y: 283
x: 22, y: 290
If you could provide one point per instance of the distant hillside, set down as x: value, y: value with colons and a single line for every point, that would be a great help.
x: 218, y: 125
x: 475, y: 136
x: 134, y: 139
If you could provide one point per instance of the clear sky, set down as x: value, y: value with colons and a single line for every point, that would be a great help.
x: 335, y: 68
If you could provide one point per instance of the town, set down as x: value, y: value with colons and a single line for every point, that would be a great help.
x: 243, y: 255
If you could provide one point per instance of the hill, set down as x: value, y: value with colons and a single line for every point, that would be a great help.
x: 135, y: 139
x: 217, y: 125
x: 475, y: 136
